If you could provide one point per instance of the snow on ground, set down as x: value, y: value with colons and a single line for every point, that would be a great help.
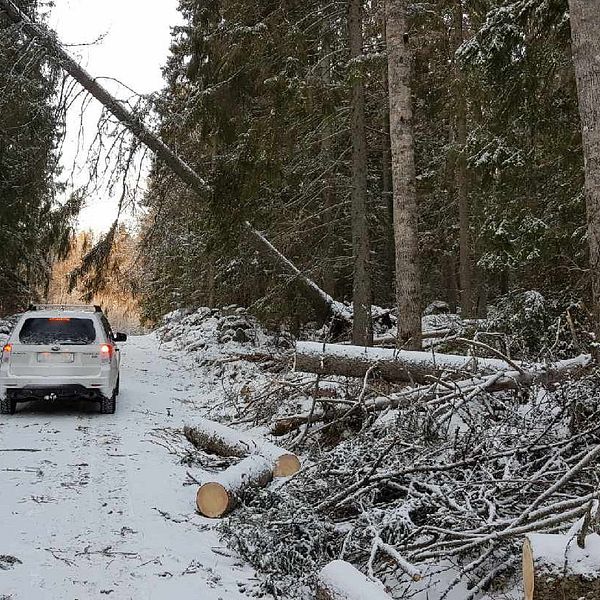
x: 94, y: 506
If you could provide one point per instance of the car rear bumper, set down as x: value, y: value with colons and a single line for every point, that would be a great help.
x: 45, y: 388
x: 54, y: 393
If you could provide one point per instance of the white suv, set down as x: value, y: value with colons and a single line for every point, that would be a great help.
x: 61, y: 351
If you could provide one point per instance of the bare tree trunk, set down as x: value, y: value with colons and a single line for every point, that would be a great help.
x: 462, y: 192
x: 330, y: 275
x: 408, y: 284
x: 362, y: 330
x: 585, y: 34
x: 388, y: 190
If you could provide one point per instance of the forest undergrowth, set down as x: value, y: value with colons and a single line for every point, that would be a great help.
x: 428, y: 488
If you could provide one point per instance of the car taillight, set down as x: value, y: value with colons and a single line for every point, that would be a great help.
x: 6, y: 350
x: 106, y: 352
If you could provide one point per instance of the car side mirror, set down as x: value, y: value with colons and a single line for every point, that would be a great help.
x: 120, y: 337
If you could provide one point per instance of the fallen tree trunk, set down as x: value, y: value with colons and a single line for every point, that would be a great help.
x: 505, y: 380
x: 225, y: 441
x: 392, y: 365
x: 554, y: 566
x: 41, y: 36
x: 421, y: 367
x: 217, y: 497
x: 339, y: 580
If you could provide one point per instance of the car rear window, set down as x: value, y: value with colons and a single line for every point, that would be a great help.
x: 57, y: 330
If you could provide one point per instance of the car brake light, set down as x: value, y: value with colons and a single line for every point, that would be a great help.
x: 106, y: 352
x: 6, y: 350
x: 64, y: 319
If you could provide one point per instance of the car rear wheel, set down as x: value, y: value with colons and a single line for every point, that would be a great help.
x: 8, y: 406
x: 108, y: 405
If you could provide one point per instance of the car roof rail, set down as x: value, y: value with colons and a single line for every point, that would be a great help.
x: 83, y: 307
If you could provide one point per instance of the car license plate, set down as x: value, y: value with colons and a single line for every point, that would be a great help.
x: 55, y: 357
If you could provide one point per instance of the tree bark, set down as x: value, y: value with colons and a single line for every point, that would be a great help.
x: 421, y: 367
x: 217, y: 497
x: 408, y: 285
x: 362, y: 329
x: 461, y: 179
x: 387, y: 188
x: 585, y: 35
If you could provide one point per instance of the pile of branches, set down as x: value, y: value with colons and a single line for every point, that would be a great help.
x: 433, y: 496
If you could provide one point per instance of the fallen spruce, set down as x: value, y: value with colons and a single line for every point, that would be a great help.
x: 420, y: 367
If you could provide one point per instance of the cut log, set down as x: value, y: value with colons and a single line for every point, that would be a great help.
x: 419, y: 367
x: 554, y: 566
x: 217, y: 497
x: 225, y: 441
x: 339, y: 580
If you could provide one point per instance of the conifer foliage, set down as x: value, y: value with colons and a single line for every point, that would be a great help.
x: 33, y: 226
x: 260, y: 101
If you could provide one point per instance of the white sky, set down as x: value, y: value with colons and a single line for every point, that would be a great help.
x: 134, y: 48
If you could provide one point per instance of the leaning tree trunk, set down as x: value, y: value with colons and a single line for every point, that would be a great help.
x: 362, y: 330
x: 408, y: 285
x: 585, y: 35
x: 43, y: 37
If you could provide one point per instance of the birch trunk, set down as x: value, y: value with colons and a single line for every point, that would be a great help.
x: 362, y: 329
x: 408, y: 285
x: 585, y: 35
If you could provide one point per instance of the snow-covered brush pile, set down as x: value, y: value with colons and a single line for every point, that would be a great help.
x: 219, y: 336
x: 433, y: 503
x: 228, y: 329
x: 6, y: 326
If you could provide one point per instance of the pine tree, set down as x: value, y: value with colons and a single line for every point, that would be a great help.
x: 34, y: 225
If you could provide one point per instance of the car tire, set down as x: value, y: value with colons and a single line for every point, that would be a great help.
x: 8, y: 406
x: 108, y: 406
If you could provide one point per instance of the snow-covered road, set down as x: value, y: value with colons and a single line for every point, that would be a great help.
x: 92, y: 505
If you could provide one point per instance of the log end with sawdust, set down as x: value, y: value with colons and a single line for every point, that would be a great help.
x: 554, y: 566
